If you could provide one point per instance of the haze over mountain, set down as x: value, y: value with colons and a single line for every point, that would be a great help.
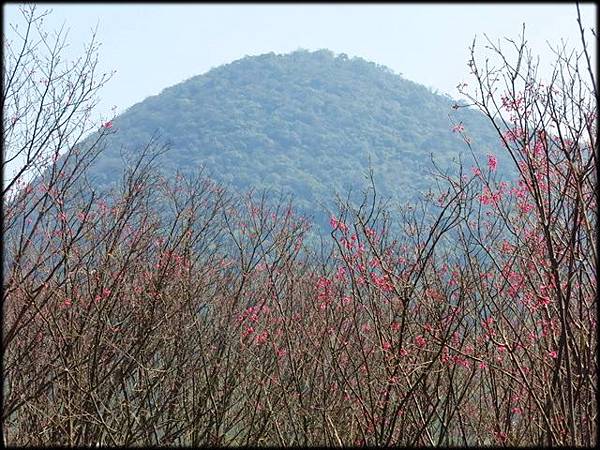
x: 305, y: 123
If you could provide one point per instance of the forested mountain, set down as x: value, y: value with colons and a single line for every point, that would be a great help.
x: 307, y: 123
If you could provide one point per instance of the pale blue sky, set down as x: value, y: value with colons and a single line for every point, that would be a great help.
x: 153, y: 46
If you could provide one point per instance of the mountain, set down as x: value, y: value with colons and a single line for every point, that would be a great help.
x: 308, y: 123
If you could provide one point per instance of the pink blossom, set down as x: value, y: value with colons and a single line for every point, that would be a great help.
x: 107, y: 125
x: 444, y: 356
x: 492, y: 162
x: 543, y: 300
x: 506, y: 246
x: 338, y: 224
x: 458, y: 128
x: 501, y: 436
x: 324, y: 290
x: 382, y: 282
x: 348, y: 245
x: 262, y: 338
x: 513, y: 135
x: 370, y: 232
x: 488, y: 197
x: 461, y: 361
x: 524, y: 207
x: 374, y: 262
x: 420, y: 341
x: 553, y: 354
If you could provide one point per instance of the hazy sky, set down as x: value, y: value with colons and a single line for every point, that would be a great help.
x: 153, y: 46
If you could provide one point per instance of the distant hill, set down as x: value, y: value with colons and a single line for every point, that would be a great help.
x: 305, y: 122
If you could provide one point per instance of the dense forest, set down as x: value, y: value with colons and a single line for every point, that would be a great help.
x: 306, y: 123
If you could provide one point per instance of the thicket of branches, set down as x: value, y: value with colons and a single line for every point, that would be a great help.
x: 171, y: 312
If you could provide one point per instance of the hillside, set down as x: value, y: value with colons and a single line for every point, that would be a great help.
x: 306, y: 123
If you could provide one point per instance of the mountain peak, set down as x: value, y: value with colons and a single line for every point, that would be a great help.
x: 307, y: 122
